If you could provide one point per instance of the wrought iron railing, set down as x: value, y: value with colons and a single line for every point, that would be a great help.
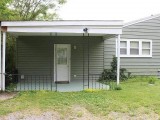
x: 19, y: 82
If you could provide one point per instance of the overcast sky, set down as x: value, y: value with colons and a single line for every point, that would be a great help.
x: 127, y: 10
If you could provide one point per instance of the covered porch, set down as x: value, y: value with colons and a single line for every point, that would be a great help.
x: 32, y: 82
x: 69, y: 53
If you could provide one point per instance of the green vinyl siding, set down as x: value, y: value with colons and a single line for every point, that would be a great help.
x: 109, y: 51
x: 35, y: 55
x: 149, y: 30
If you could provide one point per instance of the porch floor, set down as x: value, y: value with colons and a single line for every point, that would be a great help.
x: 73, y: 86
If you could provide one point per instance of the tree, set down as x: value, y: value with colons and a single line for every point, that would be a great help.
x: 36, y: 9
x: 30, y: 9
x: 25, y: 10
x: 5, y: 12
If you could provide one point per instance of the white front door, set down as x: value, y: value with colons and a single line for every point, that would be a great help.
x: 62, y: 53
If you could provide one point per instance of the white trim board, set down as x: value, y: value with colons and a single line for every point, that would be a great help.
x: 62, y: 30
x: 63, y: 23
x: 141, y: 20
x: 94, y: 27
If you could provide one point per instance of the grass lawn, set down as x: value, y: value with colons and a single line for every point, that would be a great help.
x: 136, y: 96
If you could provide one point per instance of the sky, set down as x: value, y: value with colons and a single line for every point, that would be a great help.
x: 127, y: 10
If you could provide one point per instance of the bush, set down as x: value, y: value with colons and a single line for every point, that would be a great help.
x: 10, y: 87
x: 11, y: 78
x: 10, y: 59
x: 111, y: 74
x: 114, y: 86
x: 117, y: 87
x: 151, y: 80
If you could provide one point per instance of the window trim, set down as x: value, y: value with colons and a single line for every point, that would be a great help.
x: 140, y: 47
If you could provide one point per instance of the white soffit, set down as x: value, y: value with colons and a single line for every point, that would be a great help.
x: 54, y: 34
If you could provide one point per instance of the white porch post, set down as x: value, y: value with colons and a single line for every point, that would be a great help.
x: 3, y: 60
x: 118, y: 59
x: 0, y: 62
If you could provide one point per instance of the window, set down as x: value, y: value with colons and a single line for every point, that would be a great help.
x: 135, y: 48
x: 123, y: 48
x: 62, y: 56
x: 145, y: 48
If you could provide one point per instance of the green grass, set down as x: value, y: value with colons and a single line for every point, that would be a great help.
x: 135, y: 94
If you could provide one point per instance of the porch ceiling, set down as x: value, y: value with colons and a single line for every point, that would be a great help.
x: 52, y: 34
x: 62, y: 28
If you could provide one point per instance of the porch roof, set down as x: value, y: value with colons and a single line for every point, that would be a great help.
x: 62, y: 28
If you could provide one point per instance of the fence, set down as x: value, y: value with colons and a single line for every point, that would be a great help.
x: 18, y: 82
x: 30, y: 82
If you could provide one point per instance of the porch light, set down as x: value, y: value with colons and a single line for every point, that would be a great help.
x: 85, y: 30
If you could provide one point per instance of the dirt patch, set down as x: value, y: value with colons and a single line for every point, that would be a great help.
x: 75, y: 113
x: 78, y: 113
x: 7, y: 95
x: 137, y: 116
x: 32, y: 115
x: 81, y: 113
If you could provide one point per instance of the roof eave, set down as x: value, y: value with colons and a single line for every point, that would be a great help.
x: 63, y: 23
x: 140, y: 20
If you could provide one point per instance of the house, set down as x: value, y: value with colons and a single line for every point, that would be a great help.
x: 59, y: 55
x: 75, y: 53
x: 139, y: 47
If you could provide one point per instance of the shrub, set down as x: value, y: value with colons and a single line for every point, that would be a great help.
x: 10, y: 59
x: 10, y: 87
x: 111, y: 74
x: 11, y: 79
x: 151, y: 80
x: 117, y: 87
x: 114, y: 86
